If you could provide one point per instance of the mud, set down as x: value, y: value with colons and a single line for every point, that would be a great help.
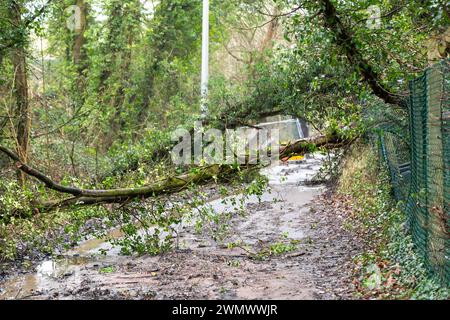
x: 318, y: 267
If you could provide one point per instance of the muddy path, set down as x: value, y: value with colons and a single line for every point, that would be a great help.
x: 290, y: 245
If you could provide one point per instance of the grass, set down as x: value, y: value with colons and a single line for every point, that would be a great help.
x: 109, y: 269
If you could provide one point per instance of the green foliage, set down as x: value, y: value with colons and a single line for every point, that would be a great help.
x: 14, y: 200
x: 389, y: 268
x: 280, y: 248
x: 310, y: 77
x: 265, y: 251
x: 26, y: 234
x: 153, y: 147
x: 109, y: 269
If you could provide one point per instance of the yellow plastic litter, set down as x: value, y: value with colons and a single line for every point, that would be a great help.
x: 296, y: 158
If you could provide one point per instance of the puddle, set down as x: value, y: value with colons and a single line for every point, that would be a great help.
x: 95, y: 246
x: 47, y: 277
x: 288, y: 198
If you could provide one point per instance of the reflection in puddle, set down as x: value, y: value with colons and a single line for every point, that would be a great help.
x: 47, y: 268
x: 47, y: 276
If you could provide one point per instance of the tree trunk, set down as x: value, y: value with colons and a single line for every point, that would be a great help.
x: 22, y: 112
x: 78, y: 50
x: 82, y: 197
x: 304, y: 145
x: 271, y: 33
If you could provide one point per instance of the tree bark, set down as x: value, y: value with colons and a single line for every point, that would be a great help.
x: 79, y: 54
x: 272, y: 30
x: 26, y: 24
x: 22, y: 112
x: 167, y: 186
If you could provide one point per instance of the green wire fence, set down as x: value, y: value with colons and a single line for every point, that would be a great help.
x: 419, y: 165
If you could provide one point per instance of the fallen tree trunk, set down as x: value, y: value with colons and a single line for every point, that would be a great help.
x: 169, y: 185
x: 166, y: 186
x: 304, y: 145
x: 153, y: 189
x: 92, y: 197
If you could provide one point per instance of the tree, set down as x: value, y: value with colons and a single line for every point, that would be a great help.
x: 123, y: 28
x: 173, y: 41
x: 23, y: 110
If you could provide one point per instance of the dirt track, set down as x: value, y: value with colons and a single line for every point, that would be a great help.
x: 318, y: 268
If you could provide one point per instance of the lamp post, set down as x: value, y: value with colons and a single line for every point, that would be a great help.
x: 205, y: 59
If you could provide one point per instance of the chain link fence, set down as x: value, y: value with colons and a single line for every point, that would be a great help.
x: 419, y: 164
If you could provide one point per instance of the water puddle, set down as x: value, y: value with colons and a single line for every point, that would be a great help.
x: 47, y: 276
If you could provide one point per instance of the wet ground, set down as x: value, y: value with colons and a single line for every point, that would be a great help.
x: 291, y: 245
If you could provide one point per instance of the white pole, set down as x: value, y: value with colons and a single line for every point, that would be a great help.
x: 205, y: 59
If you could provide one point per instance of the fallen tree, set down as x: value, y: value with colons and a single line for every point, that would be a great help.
x: 92, y: 197
x: 170, y: 185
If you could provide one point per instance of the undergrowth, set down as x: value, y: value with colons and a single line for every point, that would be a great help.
x: 389, y: 268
